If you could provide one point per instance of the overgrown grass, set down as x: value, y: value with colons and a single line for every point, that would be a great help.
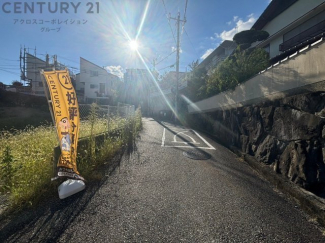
x: 26, y: 156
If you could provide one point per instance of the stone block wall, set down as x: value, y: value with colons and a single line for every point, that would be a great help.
x: 284, y: 134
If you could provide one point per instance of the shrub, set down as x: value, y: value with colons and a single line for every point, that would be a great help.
x: 237, y: 69
x: 250, y: 36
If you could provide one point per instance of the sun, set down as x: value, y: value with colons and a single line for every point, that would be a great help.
x: 133, y: 45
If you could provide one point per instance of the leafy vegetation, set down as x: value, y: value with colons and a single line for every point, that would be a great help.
x: 196, y: 81
x: 6, y: 171
x: 236, y: 69
x: 244, y: 63
x: 16, y: 83
x: 250, y: 36
x: 26, y: 157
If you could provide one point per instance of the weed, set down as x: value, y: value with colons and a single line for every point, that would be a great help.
x: 6, y: 170
x: 26, y: 162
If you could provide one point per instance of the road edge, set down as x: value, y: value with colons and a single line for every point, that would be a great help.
x: 313, y: 205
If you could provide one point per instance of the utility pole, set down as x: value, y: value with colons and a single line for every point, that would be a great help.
x: 20, y: 57
x: 178, y: 19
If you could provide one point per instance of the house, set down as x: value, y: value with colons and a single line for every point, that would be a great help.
x: 33, y: 67
x: 291, y: 24
x: 296, y: 46
x: 80, y: 88
x: 224, y: 50
x: 98, y: 85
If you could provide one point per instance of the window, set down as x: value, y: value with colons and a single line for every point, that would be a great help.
x: 93, y: 73
x: 102, y: 88
x: 94, y: 86
x: 267, y: 48
x: 40, y: 84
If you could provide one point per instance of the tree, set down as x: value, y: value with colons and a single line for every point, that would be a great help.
x: 250, y: 36
x: 16, y: 83
x: 196, y: 81
x: 240, y: 66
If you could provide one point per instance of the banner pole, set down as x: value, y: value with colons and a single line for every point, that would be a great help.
x: 49, y: 102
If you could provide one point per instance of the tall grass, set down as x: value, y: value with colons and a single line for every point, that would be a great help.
x: 29, y: 154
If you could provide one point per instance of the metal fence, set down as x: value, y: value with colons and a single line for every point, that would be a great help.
x: 107, y: 111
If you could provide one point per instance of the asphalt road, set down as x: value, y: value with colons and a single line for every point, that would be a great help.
x: 157, y: 194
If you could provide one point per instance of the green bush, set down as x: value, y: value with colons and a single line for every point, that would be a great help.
x: 250, y: 36
x: 196, y: 80
x: 237, y: 69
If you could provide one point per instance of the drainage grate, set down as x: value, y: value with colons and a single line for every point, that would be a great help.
x: 197, y: 154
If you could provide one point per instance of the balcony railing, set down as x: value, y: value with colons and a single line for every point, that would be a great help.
x: 314, y: 31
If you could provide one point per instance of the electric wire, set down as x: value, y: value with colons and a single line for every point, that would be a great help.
x: 165, y: 57
x: 171, y: 29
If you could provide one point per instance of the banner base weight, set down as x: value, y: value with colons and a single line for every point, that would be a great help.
x: 70, y: 187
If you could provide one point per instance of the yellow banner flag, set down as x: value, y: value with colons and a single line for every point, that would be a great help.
x: 66, y: 115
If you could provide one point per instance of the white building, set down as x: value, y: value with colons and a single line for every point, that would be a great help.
x: 291, y: 24
x: 224, y: 50
x: 296, y: 46
x: 97, y: 83
x: 33, y: 67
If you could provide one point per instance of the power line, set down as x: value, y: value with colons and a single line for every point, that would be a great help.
x: 183, y: 22
x: 67, y: 59
x: 170, y: 66
x: 9, y: 68
x: 8, y: 65
x: 8, y: 71
x: 10, y: 60
x: 191, y: 42
x: 185, y: 11
x: 169, y: 21
x: 165, y: 57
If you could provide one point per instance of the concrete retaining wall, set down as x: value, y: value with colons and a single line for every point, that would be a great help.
x: 301, y: 72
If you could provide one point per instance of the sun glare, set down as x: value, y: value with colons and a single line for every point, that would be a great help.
x: 134, y: 45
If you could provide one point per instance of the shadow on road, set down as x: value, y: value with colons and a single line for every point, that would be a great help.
x: 51, y: 218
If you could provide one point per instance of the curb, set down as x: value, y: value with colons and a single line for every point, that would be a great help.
x: 309, y: 202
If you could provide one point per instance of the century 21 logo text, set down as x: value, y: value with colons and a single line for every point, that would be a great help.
x: 48, y: 7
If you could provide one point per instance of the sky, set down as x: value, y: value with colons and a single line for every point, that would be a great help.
x: 100, y: 31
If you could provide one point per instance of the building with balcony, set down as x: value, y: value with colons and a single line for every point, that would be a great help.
x: 291, y: 24
x: 224, y: 50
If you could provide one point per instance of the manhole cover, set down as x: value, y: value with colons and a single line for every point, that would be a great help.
x: 197, y: 154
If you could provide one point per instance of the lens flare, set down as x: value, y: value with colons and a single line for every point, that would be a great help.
x: 134, y: 45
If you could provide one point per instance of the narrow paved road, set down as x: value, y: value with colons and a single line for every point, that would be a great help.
x: 159, y: 195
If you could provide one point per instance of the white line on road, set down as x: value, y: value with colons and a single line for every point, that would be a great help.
x: 183, y: 132
x: 193, y: 147
x: 211, y: 147
x: 163, y: 138
x: 189, y: 143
